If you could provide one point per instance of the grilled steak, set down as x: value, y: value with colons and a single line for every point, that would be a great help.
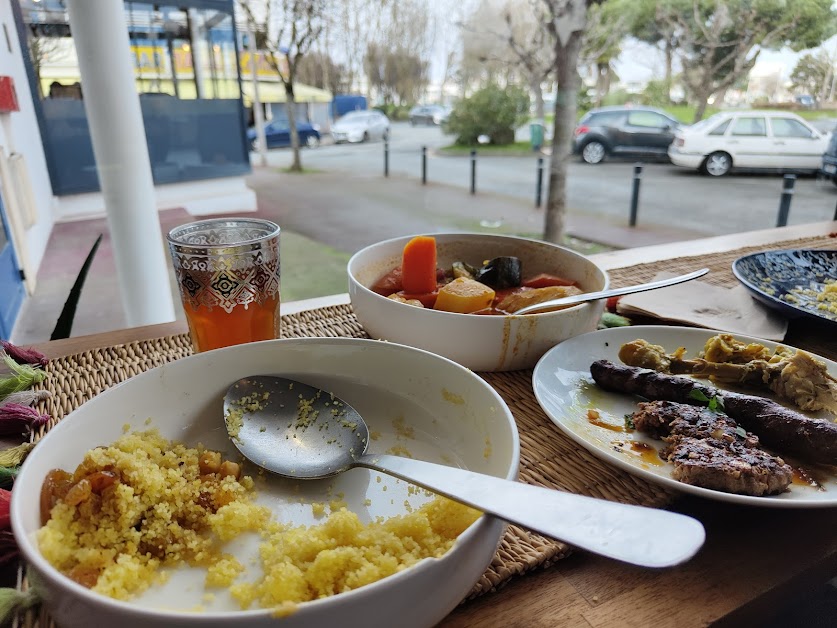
x: 708, y: 449
x: 778, y: 427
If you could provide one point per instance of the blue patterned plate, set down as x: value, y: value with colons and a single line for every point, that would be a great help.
x: 791, y: 281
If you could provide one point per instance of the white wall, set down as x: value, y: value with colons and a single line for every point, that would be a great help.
x: 23, y: 136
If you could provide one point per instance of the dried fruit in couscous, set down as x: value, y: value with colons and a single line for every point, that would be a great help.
x: 145, y: 503
x: 156, y: 509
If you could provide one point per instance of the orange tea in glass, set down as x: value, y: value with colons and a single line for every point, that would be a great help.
x: 227, y: 270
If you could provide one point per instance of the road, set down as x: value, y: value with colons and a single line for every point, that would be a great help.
x: 669, y: 196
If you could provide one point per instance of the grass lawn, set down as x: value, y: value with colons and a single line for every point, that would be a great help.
x: 518, y: 148
x: 311, y: 269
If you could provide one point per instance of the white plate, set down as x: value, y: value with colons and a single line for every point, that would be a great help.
x: 437, y: 410
x: 565, y: 390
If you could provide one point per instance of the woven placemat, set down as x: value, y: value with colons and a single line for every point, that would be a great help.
x: 548, y: 458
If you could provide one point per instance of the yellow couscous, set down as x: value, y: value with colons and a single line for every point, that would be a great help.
x: 147, y: 504
x: 823, y: 300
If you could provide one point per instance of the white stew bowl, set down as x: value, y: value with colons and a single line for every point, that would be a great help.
x: 436, y: 409
x: 479, y: 342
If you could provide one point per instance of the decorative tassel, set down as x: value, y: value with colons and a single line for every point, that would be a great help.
x: 7, y: 476
x: 16, y: 419
x: 26, y: 397
x: 5, y: 505
x: 14, y: 456
x: 13, y: 602
x: 21, y: 377
x: 24, y: 356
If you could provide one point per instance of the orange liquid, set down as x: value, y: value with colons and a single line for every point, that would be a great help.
x: 213, y: 329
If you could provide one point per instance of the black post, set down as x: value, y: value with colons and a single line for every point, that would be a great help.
x: 473, y: 171
x: 386, y: 157
x: 785, y: 200
x: 423, y: 165
x: 835, y: 212
x: 539, y: 183
x: 635, y: 194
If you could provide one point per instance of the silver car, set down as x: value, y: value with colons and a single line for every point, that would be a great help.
x: 360, y: 126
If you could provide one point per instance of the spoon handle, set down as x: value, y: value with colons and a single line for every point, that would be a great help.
x: 634, y: 534
x: 614, y: 292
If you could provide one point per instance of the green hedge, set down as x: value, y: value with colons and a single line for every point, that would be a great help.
x: 493, y: 111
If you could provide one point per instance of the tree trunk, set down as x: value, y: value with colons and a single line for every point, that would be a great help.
x: 702, y: 101
x: 290, y: 105
x: 669, y: 55
x: 540, y: 113
x: 566, y: 101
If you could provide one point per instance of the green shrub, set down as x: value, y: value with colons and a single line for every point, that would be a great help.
x: 655, y: 94
x: 394, y: 112
x: 493, y: 111
x: 617, y: 97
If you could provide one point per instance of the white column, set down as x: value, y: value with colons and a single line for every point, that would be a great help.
x: 113, y: 111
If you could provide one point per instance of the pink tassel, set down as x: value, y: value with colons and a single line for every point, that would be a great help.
x: 16, y: 419
x: 23, y: 356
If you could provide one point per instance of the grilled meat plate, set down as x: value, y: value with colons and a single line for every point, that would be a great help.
x: 709, y: 450
x: 778, y: 427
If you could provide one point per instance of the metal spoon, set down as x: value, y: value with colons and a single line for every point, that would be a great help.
x: 606, y: 294
x: 301, y: 432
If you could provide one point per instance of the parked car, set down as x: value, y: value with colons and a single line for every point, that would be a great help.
x: 623, y: 130
x: 749, y: 139
x: 360, y: 126
x: 277, y: 133
x: 429, y: 115
x: 829, y: 159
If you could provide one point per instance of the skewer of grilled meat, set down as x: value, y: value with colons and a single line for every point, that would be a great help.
x: 778, y: 427
x: 709, y: 450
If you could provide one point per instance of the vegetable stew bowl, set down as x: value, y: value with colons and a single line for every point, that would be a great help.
x: 479, y: 342
x: 437, y: 410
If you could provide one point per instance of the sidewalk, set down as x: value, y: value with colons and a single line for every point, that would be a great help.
x: 325, y: 217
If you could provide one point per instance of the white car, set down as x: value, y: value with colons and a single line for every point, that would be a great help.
x: 749, y: 139
x: 360, y: 126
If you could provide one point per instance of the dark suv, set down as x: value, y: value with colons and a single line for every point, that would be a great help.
x: 626, y: 130
x: 829, y: 159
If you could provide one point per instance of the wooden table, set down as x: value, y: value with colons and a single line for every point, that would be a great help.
x: 754, y: 561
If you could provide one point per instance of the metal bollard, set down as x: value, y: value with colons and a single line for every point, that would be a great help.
x: 473, y: 171
x: 835, y: 213
x: 539, y: 183
x: 386, y: 157
x: 423, y: 165
x: 635, y: 194
x: 785, y: 200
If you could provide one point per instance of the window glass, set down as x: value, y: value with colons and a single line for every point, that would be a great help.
x: 754, y: 127
x: 788, y: 127
x: 608, y: 118
x: 647, y: 119
x: 720, y: 129
x: 186, y: 73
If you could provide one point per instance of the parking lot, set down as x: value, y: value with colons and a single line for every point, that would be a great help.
x: 669, y: 196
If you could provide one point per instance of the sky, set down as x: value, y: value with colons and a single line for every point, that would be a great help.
x: 640, y: 62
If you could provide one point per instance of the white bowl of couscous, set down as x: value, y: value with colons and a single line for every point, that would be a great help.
x: 359, y: 549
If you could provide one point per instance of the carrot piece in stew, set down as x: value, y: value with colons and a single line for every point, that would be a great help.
x: 418, y: 265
